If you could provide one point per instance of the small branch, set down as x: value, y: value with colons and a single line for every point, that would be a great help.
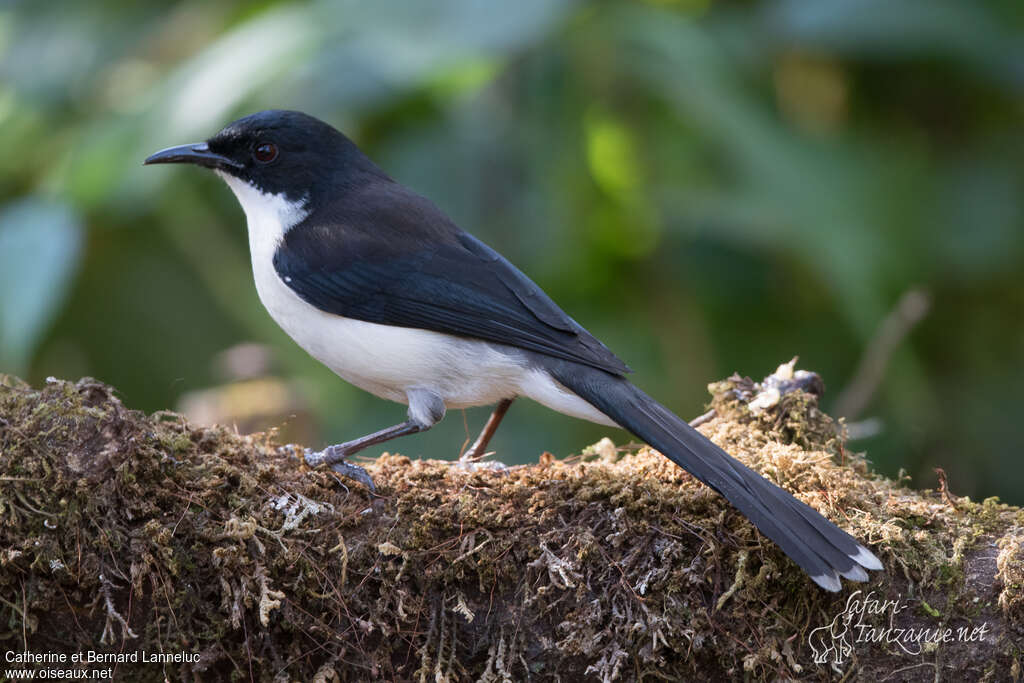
x: 909, y: 311
x: 113, y: 615
x: 703, y: 419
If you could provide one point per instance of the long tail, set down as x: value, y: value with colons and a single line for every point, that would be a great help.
x: 822, y: 549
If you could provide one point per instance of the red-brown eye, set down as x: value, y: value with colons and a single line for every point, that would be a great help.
x: 264, y: 152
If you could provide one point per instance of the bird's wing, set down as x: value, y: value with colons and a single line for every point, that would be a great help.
x: 394, y: 258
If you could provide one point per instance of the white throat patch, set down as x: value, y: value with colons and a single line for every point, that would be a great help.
x: 269, y: 215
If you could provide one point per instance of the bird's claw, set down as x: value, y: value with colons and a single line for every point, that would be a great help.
x: 315, y: 458
x: 347, y: 469
x: 336, y: 459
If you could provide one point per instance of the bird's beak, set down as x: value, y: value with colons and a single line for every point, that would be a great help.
x: 197, y: 153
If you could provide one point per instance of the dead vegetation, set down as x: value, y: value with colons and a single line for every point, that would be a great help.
x: 121, y: 532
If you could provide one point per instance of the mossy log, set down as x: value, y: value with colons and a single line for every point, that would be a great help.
x: 206, y: 555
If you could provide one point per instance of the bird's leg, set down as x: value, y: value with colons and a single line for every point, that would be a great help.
x: 335, y: 455
x: 425, y: 409
x: 479, y: 446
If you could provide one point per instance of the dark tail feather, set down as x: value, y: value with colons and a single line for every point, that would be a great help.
x: 822, y: 549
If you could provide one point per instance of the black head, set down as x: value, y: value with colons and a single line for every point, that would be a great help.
x: 278, y: 152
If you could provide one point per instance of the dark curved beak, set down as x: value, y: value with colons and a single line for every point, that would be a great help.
x: 197, y: 153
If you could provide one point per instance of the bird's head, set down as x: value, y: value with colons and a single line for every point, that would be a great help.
x: 286, y: 155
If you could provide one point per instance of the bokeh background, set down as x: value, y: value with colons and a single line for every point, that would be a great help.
x: 709, y: 187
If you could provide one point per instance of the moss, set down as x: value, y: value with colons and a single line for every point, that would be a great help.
x: 1011, y: 574
x: 122, y: 532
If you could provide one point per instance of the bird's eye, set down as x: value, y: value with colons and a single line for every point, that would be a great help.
x: 264, y: 152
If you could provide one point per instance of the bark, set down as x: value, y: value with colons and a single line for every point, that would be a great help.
x: 134, y: 536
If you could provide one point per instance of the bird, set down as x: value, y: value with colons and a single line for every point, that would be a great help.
x: 381, y: 286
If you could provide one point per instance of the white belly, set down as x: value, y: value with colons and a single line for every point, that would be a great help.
x: 388, y: 361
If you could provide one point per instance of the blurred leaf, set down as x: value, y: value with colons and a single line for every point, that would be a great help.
x: 376, y: 51
x: 40, y: 244
x: 197, y: 98
x: 787, y: 185
x: 968, y: 31
x: 612, y: 154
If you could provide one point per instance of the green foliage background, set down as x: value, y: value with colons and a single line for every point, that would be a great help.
x: 709, y: 187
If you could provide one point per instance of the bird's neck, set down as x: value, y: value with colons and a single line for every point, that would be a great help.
x: 269, y: 216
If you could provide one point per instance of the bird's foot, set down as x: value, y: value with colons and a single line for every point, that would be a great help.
x: 473, y: 455
x: 473, y: 460
x: 476, y: 465
x: 335, y: 457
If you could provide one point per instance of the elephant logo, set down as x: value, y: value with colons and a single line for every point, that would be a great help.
x: 831, y: 644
